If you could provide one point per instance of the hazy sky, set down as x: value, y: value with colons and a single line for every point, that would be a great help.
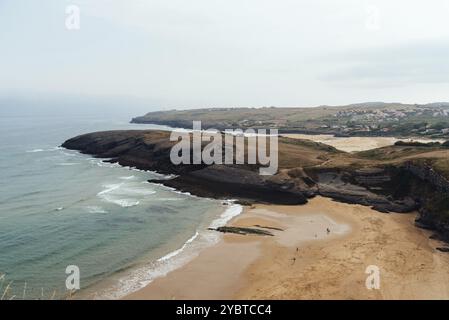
x: 202, y: 53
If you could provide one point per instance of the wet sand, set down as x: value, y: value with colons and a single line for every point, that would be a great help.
x: 354, y: 144
x: 306, y: 261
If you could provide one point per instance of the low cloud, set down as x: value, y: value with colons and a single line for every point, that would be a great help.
x: 424, y: 62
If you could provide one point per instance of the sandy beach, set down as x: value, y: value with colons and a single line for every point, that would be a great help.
x: 354, y: 144
x: 321, y: 252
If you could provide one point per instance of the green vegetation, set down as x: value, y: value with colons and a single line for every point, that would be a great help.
x: 417, y: 144
x: 395, y: 152
x: 365, y: 119
x: 310, y: 144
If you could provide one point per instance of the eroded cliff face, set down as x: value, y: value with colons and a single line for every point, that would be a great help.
x: 433, y: 194
x: 426, y: 173
x: 403, y: 187
x: 364, y: 188
x: 150, y: 150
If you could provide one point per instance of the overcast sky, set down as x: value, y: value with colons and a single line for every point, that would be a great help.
x: 203, y: 53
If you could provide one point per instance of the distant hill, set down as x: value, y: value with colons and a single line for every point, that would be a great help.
x: 360, y: 119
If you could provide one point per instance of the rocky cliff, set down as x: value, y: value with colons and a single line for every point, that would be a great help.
x: 306, y: 169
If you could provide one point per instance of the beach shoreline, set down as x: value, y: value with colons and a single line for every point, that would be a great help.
x: 161, y: 262
x: 322, y: 252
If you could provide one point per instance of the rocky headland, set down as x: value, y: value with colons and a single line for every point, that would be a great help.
x: 398, y: 178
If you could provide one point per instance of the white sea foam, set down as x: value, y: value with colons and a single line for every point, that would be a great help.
x: 174, y: 190
x: 127, y: 178
x: 102, y: 162
x: 178, y: 251
x: 139, y: 191
x: 231, y: 212
x: 124, y: 194
x: 45, y: 150
x: 124, y: 203
x: 128, y: 193
x: 68, y: 163
x: 158, y: 175
x: 169, y: 199
x: 144, y: 275
x: 68, y: 154
x: 55, y: 149
x: 109, y: 188
x: 95, y: 209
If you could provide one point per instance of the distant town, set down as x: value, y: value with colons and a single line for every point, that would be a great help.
x: 364, y: 119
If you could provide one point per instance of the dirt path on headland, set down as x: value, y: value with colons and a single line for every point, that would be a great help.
x: 306, y: 261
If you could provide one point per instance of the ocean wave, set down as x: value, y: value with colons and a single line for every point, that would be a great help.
x: 123, y: 194
x: 68, y: 163
x: 55, y: 149
x: 127, y: 178
x: 95, y: 209
x: 124, y: 203
x: 104, y: 164
x: 68, y: 154
x: 178, y: 251
x: 140, y: 191
x: 176, y: 259
x: 126, y: 189
x: 169, y: 199
x: 143, y: 276
x: 231, y: 212
x: 157, y: 175
x: 174, y: 190
x: 109, y: 188
x: 44, y: 150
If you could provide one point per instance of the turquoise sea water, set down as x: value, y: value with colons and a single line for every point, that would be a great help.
x: 60, y: 208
